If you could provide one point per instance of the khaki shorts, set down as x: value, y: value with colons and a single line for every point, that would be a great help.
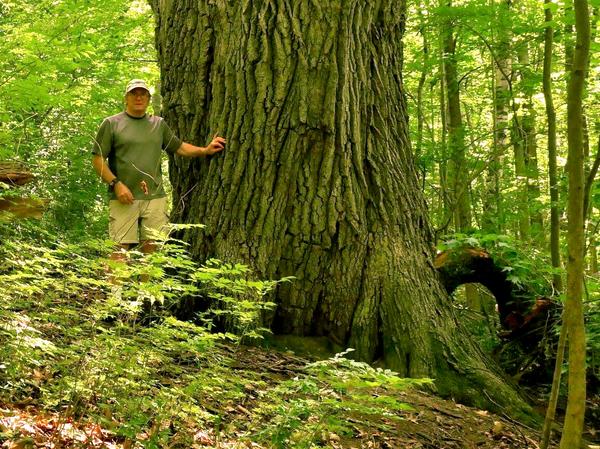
x: 130, y: 223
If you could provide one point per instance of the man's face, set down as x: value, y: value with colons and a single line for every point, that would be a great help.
x: 137, y: 101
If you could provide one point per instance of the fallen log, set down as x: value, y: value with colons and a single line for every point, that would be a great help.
x: 22, y: 207
x: 525, y: 315
x: 14, y: 174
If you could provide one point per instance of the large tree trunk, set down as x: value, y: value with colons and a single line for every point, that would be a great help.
x: 317, y: 180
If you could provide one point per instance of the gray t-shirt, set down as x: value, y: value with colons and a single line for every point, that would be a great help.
x: 133, y: 147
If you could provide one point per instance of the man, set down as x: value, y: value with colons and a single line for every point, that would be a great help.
x: 127, y: 156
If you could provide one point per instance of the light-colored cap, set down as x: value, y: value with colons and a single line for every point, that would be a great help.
x: 134, y: 84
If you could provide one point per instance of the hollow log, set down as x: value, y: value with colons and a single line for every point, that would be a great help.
x: 523, y: 314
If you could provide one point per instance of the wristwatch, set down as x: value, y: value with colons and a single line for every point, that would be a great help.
x: 113, y: 183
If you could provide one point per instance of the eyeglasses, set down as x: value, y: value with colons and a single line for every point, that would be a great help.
x: 139, y: 94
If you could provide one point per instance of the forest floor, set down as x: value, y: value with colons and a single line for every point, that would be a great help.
x: 424, y: 420
x: 83, y: 368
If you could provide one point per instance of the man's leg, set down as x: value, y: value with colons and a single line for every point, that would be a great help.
x: 123, y: 223
x: 154, y: 219
x: 147, y: 247
x: 120, y: 254
x: 123, y: 230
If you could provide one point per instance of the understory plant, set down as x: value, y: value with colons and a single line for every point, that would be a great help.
x: 330, y: 402
x: 94, y: 338
x: 90, y: 341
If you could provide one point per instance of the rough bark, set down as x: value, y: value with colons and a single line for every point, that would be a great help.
x: 318, y: 179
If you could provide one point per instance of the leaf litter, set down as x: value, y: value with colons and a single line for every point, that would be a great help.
x: 428, y: 422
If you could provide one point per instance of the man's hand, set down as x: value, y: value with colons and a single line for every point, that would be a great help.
x: 217, y: 144
x: 123, y: 193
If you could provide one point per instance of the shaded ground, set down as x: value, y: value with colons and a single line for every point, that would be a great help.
x: 429, y: 423
x: 82, y: 367
x: 433, y: 422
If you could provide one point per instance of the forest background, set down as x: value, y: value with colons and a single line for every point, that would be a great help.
x: 484, y: 166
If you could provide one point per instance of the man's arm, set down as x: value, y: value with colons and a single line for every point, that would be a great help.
x: 102, y: 169
x: 189, y: 150
x: 122, y: 192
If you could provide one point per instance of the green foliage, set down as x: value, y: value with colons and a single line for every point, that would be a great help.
x: 483, y: 325
x: 308, y: 411
x: 63, y: 67
x: 71, y: 345
x: 486, y: 33
x: 531, y: 273
x: 592, y: 324
x: 242, y: 299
